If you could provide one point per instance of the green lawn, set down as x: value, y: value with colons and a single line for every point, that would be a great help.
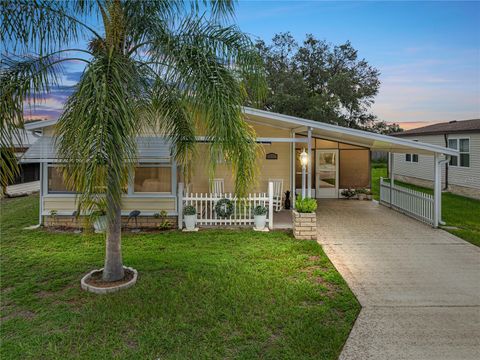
x: 458, y: 211
x: 208, y: 295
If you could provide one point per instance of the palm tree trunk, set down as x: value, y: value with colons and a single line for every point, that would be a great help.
x: 113, y: 269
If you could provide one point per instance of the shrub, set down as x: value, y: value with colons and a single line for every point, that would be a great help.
x: 189, y: 210
x: 260, y: 210
x: 306, y: 205
x: 361, y: 191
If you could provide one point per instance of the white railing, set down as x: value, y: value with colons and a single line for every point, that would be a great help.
x: 242, y: 214
x: 410, y: 202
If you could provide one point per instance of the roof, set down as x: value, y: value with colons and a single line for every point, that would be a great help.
x: 150, y: 149
x: 373, y: 141
x: 451, y: 127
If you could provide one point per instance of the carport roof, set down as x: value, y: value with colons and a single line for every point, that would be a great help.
x: 373, y: 141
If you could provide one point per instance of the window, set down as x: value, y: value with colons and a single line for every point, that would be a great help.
x: 55, y: 180
x: 463, y: 145
x: 153, y: 179
x: 411, y: 157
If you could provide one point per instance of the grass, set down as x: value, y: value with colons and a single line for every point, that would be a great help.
x: 208, y: 295
x: 457, y: 211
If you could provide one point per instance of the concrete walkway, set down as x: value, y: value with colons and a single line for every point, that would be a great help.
x: 419, y: 287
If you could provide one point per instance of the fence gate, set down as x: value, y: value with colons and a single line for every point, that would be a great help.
x: 414, y: 203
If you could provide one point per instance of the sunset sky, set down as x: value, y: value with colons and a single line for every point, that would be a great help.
x: 428, y: 53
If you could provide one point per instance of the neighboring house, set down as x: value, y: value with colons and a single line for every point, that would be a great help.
x: 462, y: 173
x: 339, y: 159
x: 29, y: 172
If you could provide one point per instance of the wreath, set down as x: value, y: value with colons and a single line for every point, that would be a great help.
x: 224, y: 208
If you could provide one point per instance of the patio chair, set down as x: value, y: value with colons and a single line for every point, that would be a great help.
x: 217, y: 186
x: 277, y: 193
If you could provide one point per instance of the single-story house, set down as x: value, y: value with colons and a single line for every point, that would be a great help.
x: 461, y: 174
x: 339, y: 158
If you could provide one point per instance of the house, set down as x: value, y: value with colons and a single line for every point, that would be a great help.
x: 461, y: 174
x: 27, y: 181
x: 339, y: 158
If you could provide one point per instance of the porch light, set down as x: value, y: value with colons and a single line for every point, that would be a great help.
x: 303, y: 158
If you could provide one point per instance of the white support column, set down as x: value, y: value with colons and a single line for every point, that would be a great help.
x: 391, y: 164
x: 293, y: 171
x: 437, y: 190
x: 40, y: 208
x: 180, y: 205
x: 270, y: 205
x: 309, y: 165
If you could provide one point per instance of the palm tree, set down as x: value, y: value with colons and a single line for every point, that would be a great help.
x: 165, y: 65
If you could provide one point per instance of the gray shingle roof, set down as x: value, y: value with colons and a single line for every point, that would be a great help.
x: 455, y: 126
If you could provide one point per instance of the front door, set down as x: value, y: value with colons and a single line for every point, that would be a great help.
x: 326, y: 173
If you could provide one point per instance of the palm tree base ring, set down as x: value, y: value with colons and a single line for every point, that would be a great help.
x: 106, y: 288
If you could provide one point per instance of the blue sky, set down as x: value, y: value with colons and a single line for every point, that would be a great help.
x: 428, y: 53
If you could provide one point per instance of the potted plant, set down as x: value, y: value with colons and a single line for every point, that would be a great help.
x: 361, y: 193
x: 190, y: 217
x: 98, y: 214
x: 348, y: 193
x: 260, y: 217
x: 369, y: 194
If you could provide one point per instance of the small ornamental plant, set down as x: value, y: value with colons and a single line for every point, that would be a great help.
x: 348, y: 193
x: 306, y: 205
x: 260, y: 210
x: 189, y: 210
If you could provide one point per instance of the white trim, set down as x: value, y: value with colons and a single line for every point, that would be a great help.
x: 349, y: 131
x: 40, y: 124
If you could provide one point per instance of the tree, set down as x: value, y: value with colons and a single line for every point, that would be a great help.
x: 319, y: 81
x: 160, y: 65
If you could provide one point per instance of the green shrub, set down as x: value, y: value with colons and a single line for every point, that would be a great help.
x: 260, y: 210
x: 189, y: 210
x: 306, y: 205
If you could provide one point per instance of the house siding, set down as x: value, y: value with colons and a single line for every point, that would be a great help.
x: 461, y: 180
x: 267, y: 169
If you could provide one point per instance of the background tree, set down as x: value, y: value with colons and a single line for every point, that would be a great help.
x: 167, y: 66
x: 321, y: 82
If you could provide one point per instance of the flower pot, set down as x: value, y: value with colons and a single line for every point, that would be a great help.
x: 361, y: 196
x: 260, y: 221
x: 100, y: 224
x: 369, y: 197
x: 190, y: 221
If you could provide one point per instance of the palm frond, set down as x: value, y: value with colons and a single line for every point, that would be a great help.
x: 97, y: 131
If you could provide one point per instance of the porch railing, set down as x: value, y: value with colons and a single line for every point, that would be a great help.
x: 410, y: 202
x: 242, y: 214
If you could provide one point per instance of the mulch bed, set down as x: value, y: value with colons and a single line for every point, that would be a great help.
x: 96, y: 279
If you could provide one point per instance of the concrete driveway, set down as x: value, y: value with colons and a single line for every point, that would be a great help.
x: 419, y: 287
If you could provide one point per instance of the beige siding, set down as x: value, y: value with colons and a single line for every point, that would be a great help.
x: 67, y: 203
x: 267, y: 169
x: 461, y: 176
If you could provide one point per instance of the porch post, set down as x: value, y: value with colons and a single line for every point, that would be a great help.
x: 180, y: 205
x: 40, y: 208
x: 437, y: 191
x: 391, y: 174
x: 309, y: 164
x: 270, y: 205
x: 293, y: 170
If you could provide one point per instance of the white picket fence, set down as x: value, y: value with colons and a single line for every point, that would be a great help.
x: 205, y: 203
x: 410, y: 202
